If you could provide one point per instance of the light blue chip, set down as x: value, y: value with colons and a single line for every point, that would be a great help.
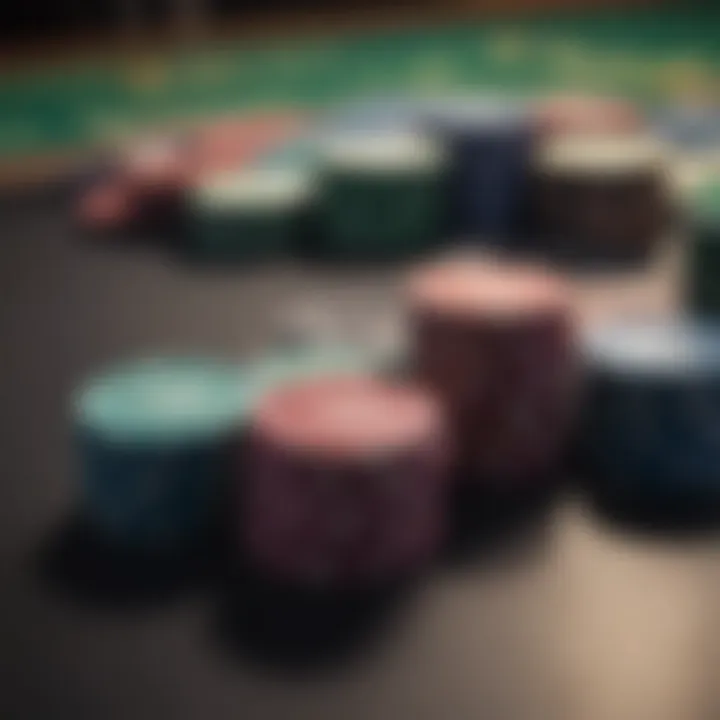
x: 164, y: 400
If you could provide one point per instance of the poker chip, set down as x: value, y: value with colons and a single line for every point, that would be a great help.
x: 106, y: 206
x: 152, y: 437
x: 652, y: 427
x: 601, y: 197
x: 344, y: 481
x: 495, y: 341
x: 562, y: 115
x: 703, y: 257
x: 248, y: 214
x: 380, y: 195
x: 374, y: 115
x: 691, y: 128
x: 489, y: 145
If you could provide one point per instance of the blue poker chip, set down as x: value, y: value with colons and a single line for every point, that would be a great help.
x: 489, y: 145
x: 691, y: 128
x: 674, y: 351
x: 653, y: 416
x: 476, y: 114
x: 153, y: 437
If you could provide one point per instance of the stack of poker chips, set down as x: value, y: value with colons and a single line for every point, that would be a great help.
x: 381, y: 195
x: 703, y: 257
x: 344, y: 481
x: 249, y: 214
x: 496, y: 342
x: 601, y: 196
x: 145, y: 182
x: 154, y: 437
x: 650, y: 435
x: 489, y: 146
x: 652, y: 432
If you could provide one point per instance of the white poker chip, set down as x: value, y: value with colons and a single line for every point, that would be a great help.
x: 386, y: 153
x: 603, y: 155
x: 265, y: 189
x: 671, y: 349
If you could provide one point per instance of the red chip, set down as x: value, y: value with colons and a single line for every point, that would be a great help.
x: 106, y: 206
x: 496, y: 342
x: 152, y: 177
x: 586, y: 114
x: 155, y: 168
x: 344, y: 481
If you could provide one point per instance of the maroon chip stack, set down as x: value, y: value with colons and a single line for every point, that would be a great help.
x: 496, y: 342
x: 344, y: 481
x: 148, y: 182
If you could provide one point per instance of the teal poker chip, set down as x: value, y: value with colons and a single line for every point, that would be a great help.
x: 154, y: 438
x: 156, y: 400
x: 380, y: 195
x: 652, y: 425
x: 254, y: 213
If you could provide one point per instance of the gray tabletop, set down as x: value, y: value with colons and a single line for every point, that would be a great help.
x: 565, y: 614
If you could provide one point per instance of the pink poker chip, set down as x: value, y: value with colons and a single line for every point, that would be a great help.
x: 563, y: 114
x: 344, y: 481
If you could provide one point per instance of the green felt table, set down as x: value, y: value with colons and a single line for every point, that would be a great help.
x: 655, y: 55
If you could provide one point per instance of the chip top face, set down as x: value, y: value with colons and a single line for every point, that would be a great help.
x: 705, y: 199
x: 671, y: 348
x: 164, y: 399
x: 601, y: 154
x: 487, y: 290
x: 382, y: 152
x: 341, y: 416
x: 587, y: 114
x: 483, y: 114
x: 262, y: 188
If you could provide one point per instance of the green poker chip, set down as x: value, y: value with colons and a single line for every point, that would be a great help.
x: 255, y: 213
x: 380, y: 196
x: 703, y: 257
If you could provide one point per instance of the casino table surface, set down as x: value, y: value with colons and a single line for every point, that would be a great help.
x: 556, y: 611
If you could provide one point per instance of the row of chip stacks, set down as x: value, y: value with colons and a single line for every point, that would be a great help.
x: 580, y: 178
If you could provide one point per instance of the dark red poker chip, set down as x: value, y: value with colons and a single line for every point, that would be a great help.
x: 344, y: 481
x: 106, y: 206
x: 496, y: 343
